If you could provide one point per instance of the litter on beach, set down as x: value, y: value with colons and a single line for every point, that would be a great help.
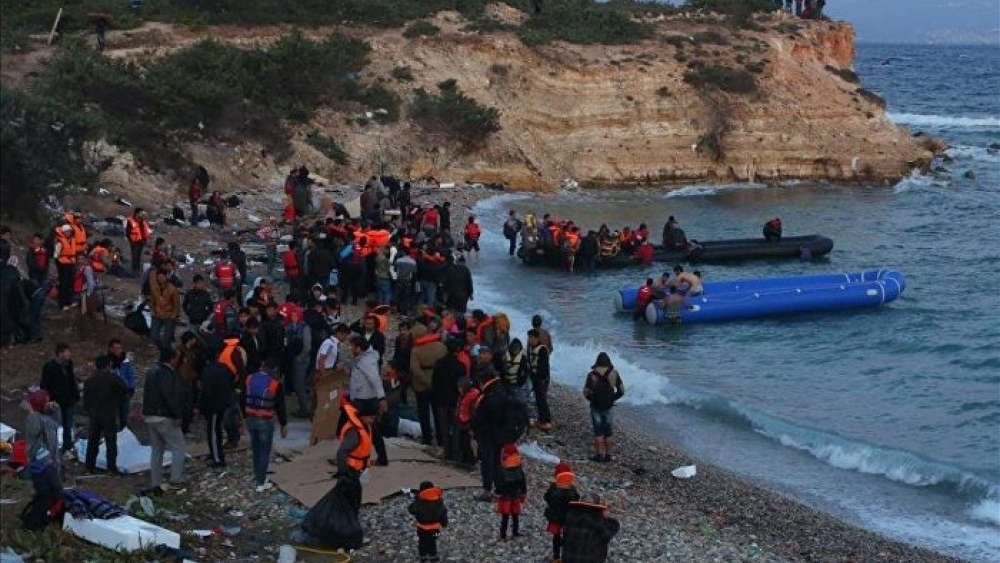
x: 124, y: 533
x: 533, y: 450
x: 685, y: 472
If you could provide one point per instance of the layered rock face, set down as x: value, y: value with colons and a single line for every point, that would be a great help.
x: 612, y: 115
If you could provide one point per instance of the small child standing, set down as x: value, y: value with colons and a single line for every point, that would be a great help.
x: 431, y: 515
x: 561, y: 492
x: 511, y: 490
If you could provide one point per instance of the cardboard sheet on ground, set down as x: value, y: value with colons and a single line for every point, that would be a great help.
x: 324, y: 422
x: 309, y: 476
x: 133, y: 457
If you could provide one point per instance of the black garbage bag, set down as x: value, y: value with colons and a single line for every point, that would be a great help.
x: 333, y: 522
x: 135, y: 320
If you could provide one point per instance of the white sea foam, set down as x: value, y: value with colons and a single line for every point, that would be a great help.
x: 945, y: 121
x: 701, y: 190
x: 917, y: 179
x: 965, y: 152
x: 987, y: 511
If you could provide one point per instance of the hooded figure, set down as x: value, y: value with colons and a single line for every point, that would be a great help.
x: 588, y: 531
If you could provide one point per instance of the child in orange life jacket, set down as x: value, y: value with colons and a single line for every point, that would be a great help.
x: 472, y: 234
x: 431, y: 515
x: 511, y: 490
x: 561, y: 492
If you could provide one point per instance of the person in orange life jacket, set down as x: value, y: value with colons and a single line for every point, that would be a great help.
x: 216, y: 397
x: 354, y: 432
x: 472, y: 233
x: 643, y: 252
x: 224, y: 275
x: 238, y: 365
x: 561, y: 492
x: 431, y: 515
x: 74, y: 219
x: 588, y: 530
x: 539, y: 374
x: 603, y: 387
x: 643, y: 298
x: 367, y: 392
x: 264, y: 401
x: 570, y: 246
x: 447, y: 371
x: 137, y: 232
x: 772, y: 230
x: 100, y: 256
x: 512, y: 488
x: 65, y: 255
x: 37, y: 260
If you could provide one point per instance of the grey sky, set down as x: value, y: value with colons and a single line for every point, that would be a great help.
x: 921, y: 21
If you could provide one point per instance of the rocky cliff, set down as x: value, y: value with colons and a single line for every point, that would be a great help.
x: 602, y: 115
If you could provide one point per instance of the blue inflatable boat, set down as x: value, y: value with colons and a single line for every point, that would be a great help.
x: 765, y: 297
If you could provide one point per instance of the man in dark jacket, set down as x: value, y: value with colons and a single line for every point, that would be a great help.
x: 59, y: 382
x: 101, y: 390
x: 589, y: 249
x: 444, y: 388
x: 216, y: 397
x: 538, y: 371
x: 198, y: 302
x: 164, y: 403
x: 588, y: 531
x: 273, y: 332
x: 458, y: 286
x: 486, y: 423
x: 13, y: 301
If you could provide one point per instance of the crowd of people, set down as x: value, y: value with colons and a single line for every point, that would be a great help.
x: 806, y: 9
x: 242, y: 349
x: 576, y: 248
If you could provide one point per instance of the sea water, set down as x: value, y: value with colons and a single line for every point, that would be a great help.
x: 888, y: 418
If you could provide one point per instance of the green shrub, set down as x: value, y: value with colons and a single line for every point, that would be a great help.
x: 584, y: 22
x: 383, y: 103
x: 677, y: 41
x: 740, y: 12
x: 327, y: 146
x: 421, y: 28
x: 488, y: 25
x: 40, y: 139
x: 845, y: 74
x: 454, y: 115
x: 402, y: 74
x: 734, y: 81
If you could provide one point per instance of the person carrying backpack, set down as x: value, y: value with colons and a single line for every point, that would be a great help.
x: 511, y: 227
x: 603, y: 387
x: 512, y: 489
x: 487, y: 419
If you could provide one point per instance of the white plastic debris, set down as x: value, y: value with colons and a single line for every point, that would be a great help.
x: 534, y: 451
x: 103, y: 191
x: 204, y: 224
x: 124, y: 533
x: 685, y: 472
x: 254, y: 218
x: 409, y: 428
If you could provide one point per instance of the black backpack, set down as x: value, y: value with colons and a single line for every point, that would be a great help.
x: 41, y: 511
x: 515, y: 420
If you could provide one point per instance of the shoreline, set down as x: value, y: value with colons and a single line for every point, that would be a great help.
x: 736, y: 509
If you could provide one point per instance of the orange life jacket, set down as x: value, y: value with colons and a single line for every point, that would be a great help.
x: 466, y: 404
x: 481, y: 327
x: 463, y: 358
x: 231, y: 345
x: 67, y: 251
x: 79, y: 233
x: 136, y: 230
x: 97, y: 256
x: 431, y: 494
x: 359, y: 457
x: 426, y: 339
x: 79, y: 280
x: 381, y: 314
x: 378, y: 238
